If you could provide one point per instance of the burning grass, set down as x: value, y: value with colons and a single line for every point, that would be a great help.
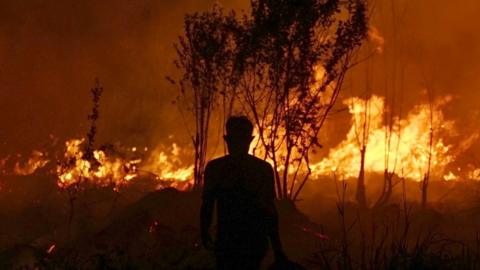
x: 400, y: 148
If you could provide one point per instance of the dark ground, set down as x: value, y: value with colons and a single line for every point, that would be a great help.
x: 136, y: 229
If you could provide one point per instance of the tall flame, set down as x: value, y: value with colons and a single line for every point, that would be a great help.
x: 409, y: 142
x: 406, y: 143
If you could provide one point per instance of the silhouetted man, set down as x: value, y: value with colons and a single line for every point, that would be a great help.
x: 243, y: 188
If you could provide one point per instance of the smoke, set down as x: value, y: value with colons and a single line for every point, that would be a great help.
x: 52, y: 50
x: 422, y: 48
x: 436, y: 42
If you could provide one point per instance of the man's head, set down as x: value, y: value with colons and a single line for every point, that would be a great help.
x: 239, y: 134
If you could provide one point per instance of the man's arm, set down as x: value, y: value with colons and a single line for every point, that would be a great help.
x: 206, y: 211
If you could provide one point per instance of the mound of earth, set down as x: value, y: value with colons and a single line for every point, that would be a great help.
x: 161, y: 231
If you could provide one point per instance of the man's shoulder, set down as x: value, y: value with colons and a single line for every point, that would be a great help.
x: 260, y: 162
x: 253, y: 160
x: 217, y: 162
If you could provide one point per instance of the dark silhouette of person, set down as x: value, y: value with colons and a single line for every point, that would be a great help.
x: 242, y: 186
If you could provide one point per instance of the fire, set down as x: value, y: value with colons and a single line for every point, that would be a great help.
x: 258, y: 148
x: 166, y: 163
x: 408, y: 152
x: 474, y: 174
x: 36, y: 161
x: 101, y: 170
x: 450, y: 177
x: 409, y: 142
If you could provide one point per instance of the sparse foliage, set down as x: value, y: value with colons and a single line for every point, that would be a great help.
x: 283, y: 66
x: 206, y: 54
x: 296, y: 56
x: 96, y: 92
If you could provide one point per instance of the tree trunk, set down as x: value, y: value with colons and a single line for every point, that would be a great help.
x: 425, y: 190
x: 387, y: 189
x: 361, y: 196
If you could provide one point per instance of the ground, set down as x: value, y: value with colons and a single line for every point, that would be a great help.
x: 140, y: 229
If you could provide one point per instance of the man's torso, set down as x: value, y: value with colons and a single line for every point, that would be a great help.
x: 242, y: 191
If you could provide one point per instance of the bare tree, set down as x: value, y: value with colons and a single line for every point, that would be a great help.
x: 285, y: 64
x: 362, y: 135
x: 96, y: 92
x: 426, y: 176
x: 294, y: 60
x: 394, y: 90
x: 206, y: 54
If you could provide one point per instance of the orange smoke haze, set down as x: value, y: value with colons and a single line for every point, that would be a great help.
x: 51, y: 51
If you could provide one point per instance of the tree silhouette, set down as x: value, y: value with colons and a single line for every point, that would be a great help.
x: 206, y: 54
x: 294, y: 61
x: 283, y: 66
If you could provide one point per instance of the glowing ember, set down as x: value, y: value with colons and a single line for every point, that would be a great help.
x: 51, y: 249
x: 318, y: 235
x: 3, y: 162
x: 153, y: 227
x: 410, y: 140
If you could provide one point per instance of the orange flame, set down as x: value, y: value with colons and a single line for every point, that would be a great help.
x: 163, y: 162
x: 101, y: 171
x: 166, y: 163
x: 409, y: 141
x: 36, y: 161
